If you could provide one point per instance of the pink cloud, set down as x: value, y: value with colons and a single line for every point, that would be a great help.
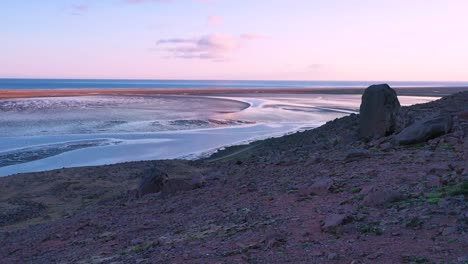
x: 214, y: 20
x: 214, y: 47
x: 217, y: 47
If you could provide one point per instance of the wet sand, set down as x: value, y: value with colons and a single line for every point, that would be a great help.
x: 419, y: 91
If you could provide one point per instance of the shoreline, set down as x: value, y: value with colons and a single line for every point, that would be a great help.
x: 30, y: 165
x: 32, y: 93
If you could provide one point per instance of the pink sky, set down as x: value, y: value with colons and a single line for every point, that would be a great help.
x: 419, y: 40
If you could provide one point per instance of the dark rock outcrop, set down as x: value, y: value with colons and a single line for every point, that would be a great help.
x: 378, y: 112
x: 152, y: 182
x: 424, y: 130
x: 176, y: 185
x: 170, y: 179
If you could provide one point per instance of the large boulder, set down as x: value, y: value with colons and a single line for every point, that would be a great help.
x: 378, y: 112
x: 425, y: 129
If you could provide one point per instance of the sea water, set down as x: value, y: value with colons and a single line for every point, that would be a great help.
x: 18, y: 84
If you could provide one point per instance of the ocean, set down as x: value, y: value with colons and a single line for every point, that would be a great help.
x: 18, y: 84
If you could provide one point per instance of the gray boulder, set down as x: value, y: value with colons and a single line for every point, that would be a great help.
x: 378, y: 112
x: 424, y: 130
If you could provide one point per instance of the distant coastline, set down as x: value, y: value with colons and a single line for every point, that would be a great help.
x: 31, y: 93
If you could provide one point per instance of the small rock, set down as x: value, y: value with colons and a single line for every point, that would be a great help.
x: 332, y: 256
x: 275, y: 240
x: 357, y: 155
x: 463, y: 115
x: 451, y: 140
x: 333, y: 221
x: 317, y: 253
x: 386, y: 146
x: 433, y: 181
x: 439, y: 170
x: 449, y: 230
x: 107, y: 235
x: 379, y: 197
x: 321, y: 187
x: 375, y: 255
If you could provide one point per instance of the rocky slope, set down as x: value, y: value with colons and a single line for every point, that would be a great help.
x: 320, y: 196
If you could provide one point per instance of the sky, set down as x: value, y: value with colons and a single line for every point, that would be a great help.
x: 397, y: 40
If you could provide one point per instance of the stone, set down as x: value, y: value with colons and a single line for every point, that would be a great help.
x: 152, y: 181
x: 433, y: 181
x: 424, y: 130
x: 463, y: 115
x: 357, y: 155
x: 386, y: 146
x: 378, y: 112
x: 333, y: 221
x: 321, y: 187
x: 439, y: 170
x: 275, y: 240
x: 378, y: 197
x: 176, y: 185
x: 170, y: 180
x: 449, y: 230
x: 332, y: 256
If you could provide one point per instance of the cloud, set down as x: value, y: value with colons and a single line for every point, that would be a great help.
x: 213, y: 47
x: 78, y: 9
x: 216, y: 47
x: 214, y: 21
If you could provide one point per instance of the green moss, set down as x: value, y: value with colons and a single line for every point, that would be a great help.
x: 454, y: 190
x: 306, y: 245
x: 415, y: 259
x: 373, y: 228
x: 414, y: 223
x: 446, y: 147
x: 459, y: 189
x: 418, y: 145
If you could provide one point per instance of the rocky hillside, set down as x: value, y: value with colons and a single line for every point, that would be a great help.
x: 328, y: 195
